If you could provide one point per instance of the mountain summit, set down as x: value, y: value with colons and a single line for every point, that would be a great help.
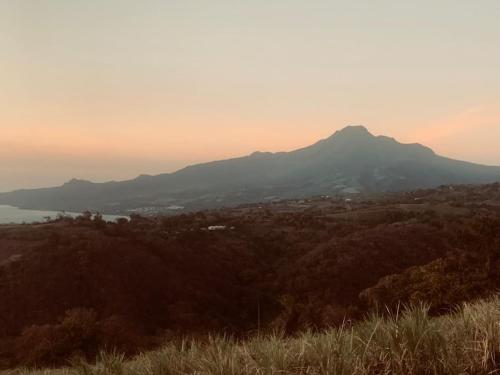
x: 351, y: 160
x: 353, y: 131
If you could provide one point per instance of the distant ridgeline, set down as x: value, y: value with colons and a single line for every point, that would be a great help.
x: 350, y: 161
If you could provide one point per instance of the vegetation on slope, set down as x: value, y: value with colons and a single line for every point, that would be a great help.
x: 406, y: 342
x: 74, y: 286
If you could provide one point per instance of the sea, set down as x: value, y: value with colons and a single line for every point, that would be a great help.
x: 14, y: 215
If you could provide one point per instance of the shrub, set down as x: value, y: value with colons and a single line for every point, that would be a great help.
x: 74, y: 335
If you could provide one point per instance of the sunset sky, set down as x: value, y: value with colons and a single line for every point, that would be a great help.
x: 110, y: 89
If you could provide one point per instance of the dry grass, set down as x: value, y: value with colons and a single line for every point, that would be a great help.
x: 467, y: 342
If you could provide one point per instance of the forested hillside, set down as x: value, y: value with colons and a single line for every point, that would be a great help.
x: 72, y: 286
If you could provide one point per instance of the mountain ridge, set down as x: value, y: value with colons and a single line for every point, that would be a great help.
x: 350, y: 160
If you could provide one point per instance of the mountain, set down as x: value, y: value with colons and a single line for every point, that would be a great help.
x: 350, y: 161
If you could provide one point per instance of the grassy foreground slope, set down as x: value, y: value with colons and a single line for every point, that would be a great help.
x: 409, y: 342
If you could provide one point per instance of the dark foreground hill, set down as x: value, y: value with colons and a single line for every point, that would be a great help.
x: 73, y: 286
x: 351, y: 160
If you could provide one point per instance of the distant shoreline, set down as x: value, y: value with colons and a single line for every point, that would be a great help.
x: 15, y: 215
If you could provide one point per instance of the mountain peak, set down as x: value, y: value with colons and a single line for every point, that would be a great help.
x: 352, y: 133
x: 353, y: 130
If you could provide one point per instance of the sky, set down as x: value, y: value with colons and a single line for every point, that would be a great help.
x: 110, y: 89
